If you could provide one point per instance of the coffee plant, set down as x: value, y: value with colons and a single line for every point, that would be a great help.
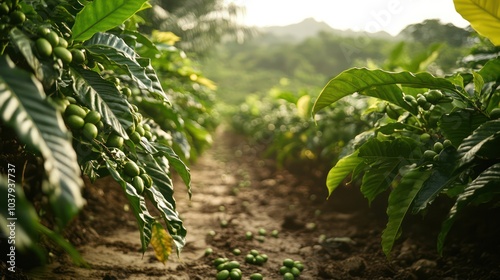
x: 282, y: 123
x: 82, y: 93
x: 436, y: 136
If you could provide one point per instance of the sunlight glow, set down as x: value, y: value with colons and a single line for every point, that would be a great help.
x: 358, y: 15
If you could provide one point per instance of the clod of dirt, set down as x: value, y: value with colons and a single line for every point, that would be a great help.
x: 424, y: 268
x: 331, y: 271
x: 291, y: 222
x: 354, y: 265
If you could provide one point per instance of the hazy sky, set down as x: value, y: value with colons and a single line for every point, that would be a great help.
x: 360, y: 15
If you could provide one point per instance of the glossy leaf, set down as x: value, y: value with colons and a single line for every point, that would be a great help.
x: 377, y: 83
x: 103, y: 15
x: 474, y: 143
x: 400, y: 201
x: 39, y: 126
x: 143, y: 40
x: 441, y: 177
x: 160, y: 174
x: 485, y: 185
x: 490, y: 72
x: 115, y: 51
x: 176, y: 163
x: 339, y: 172
x: 156, y: 84
x: 23, y: 44
x: 385, y: 158
x: 44, y: 72
x: 378, y: 178
x: 404, y: 150
x: 484, y: 17
x: 144, y: 219
x: 103, y: 96
x: 161, y: 195
x: 458, y: 125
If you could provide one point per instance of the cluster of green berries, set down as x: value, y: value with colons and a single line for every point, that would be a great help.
x: 427, y: 99
x: 50, y: 44
x: 291, y: 269
x: 424, y: 101
x: 136, y: 176
x: 261, y: 234
x: 10, y: 15
x: 138, y: 129
x: 438, y: 147
x: 227, y: 269
x: 81, y: 119
x: 254, y: 257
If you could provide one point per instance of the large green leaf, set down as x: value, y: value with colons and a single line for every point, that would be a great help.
x: 484, y: 17
x: 103, y: 96
x: 340, y: 171
x: 474, y: 143
x: 156, y: 84
x: 404, y: 150
x: 377, y: 83
x: 385, y: 158
x: 378, y: 178
x: 113, y: 50
x: 23, y: 44
x: 400, y: 201
x: 458, y: 125
x: 144, y: 41
x: 43, y: 71
x: 161, y: 195
x: 39, y: 126
x: 485, y: 185
x: 112, y: 41
x: 176, y: 163
x: 440, y: 178
x: 102, y: 15
x: 144, y: 219
x: 491, y: 71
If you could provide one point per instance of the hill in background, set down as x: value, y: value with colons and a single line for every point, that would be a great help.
x: 310, y: 27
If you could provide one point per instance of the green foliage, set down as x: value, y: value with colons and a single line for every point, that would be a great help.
x: 256, y: 65
x: 282, y: 122
x: 379, y: 84
x: 200, y: 23
x: 444, y: 143
x: 38, y: 125
x: 102, y: 15
x: 83, y: 91
x: 431, y: 31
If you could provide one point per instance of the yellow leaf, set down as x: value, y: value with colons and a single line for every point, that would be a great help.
x: 483, y: 15
x: 168, y: 38
x: 206, y: 82
x: 304, y: 106
x: 161, y: 241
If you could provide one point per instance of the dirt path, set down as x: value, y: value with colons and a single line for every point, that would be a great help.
x: 335, y: 239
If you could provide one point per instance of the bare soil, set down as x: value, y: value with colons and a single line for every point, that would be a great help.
x: 338, y: 238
